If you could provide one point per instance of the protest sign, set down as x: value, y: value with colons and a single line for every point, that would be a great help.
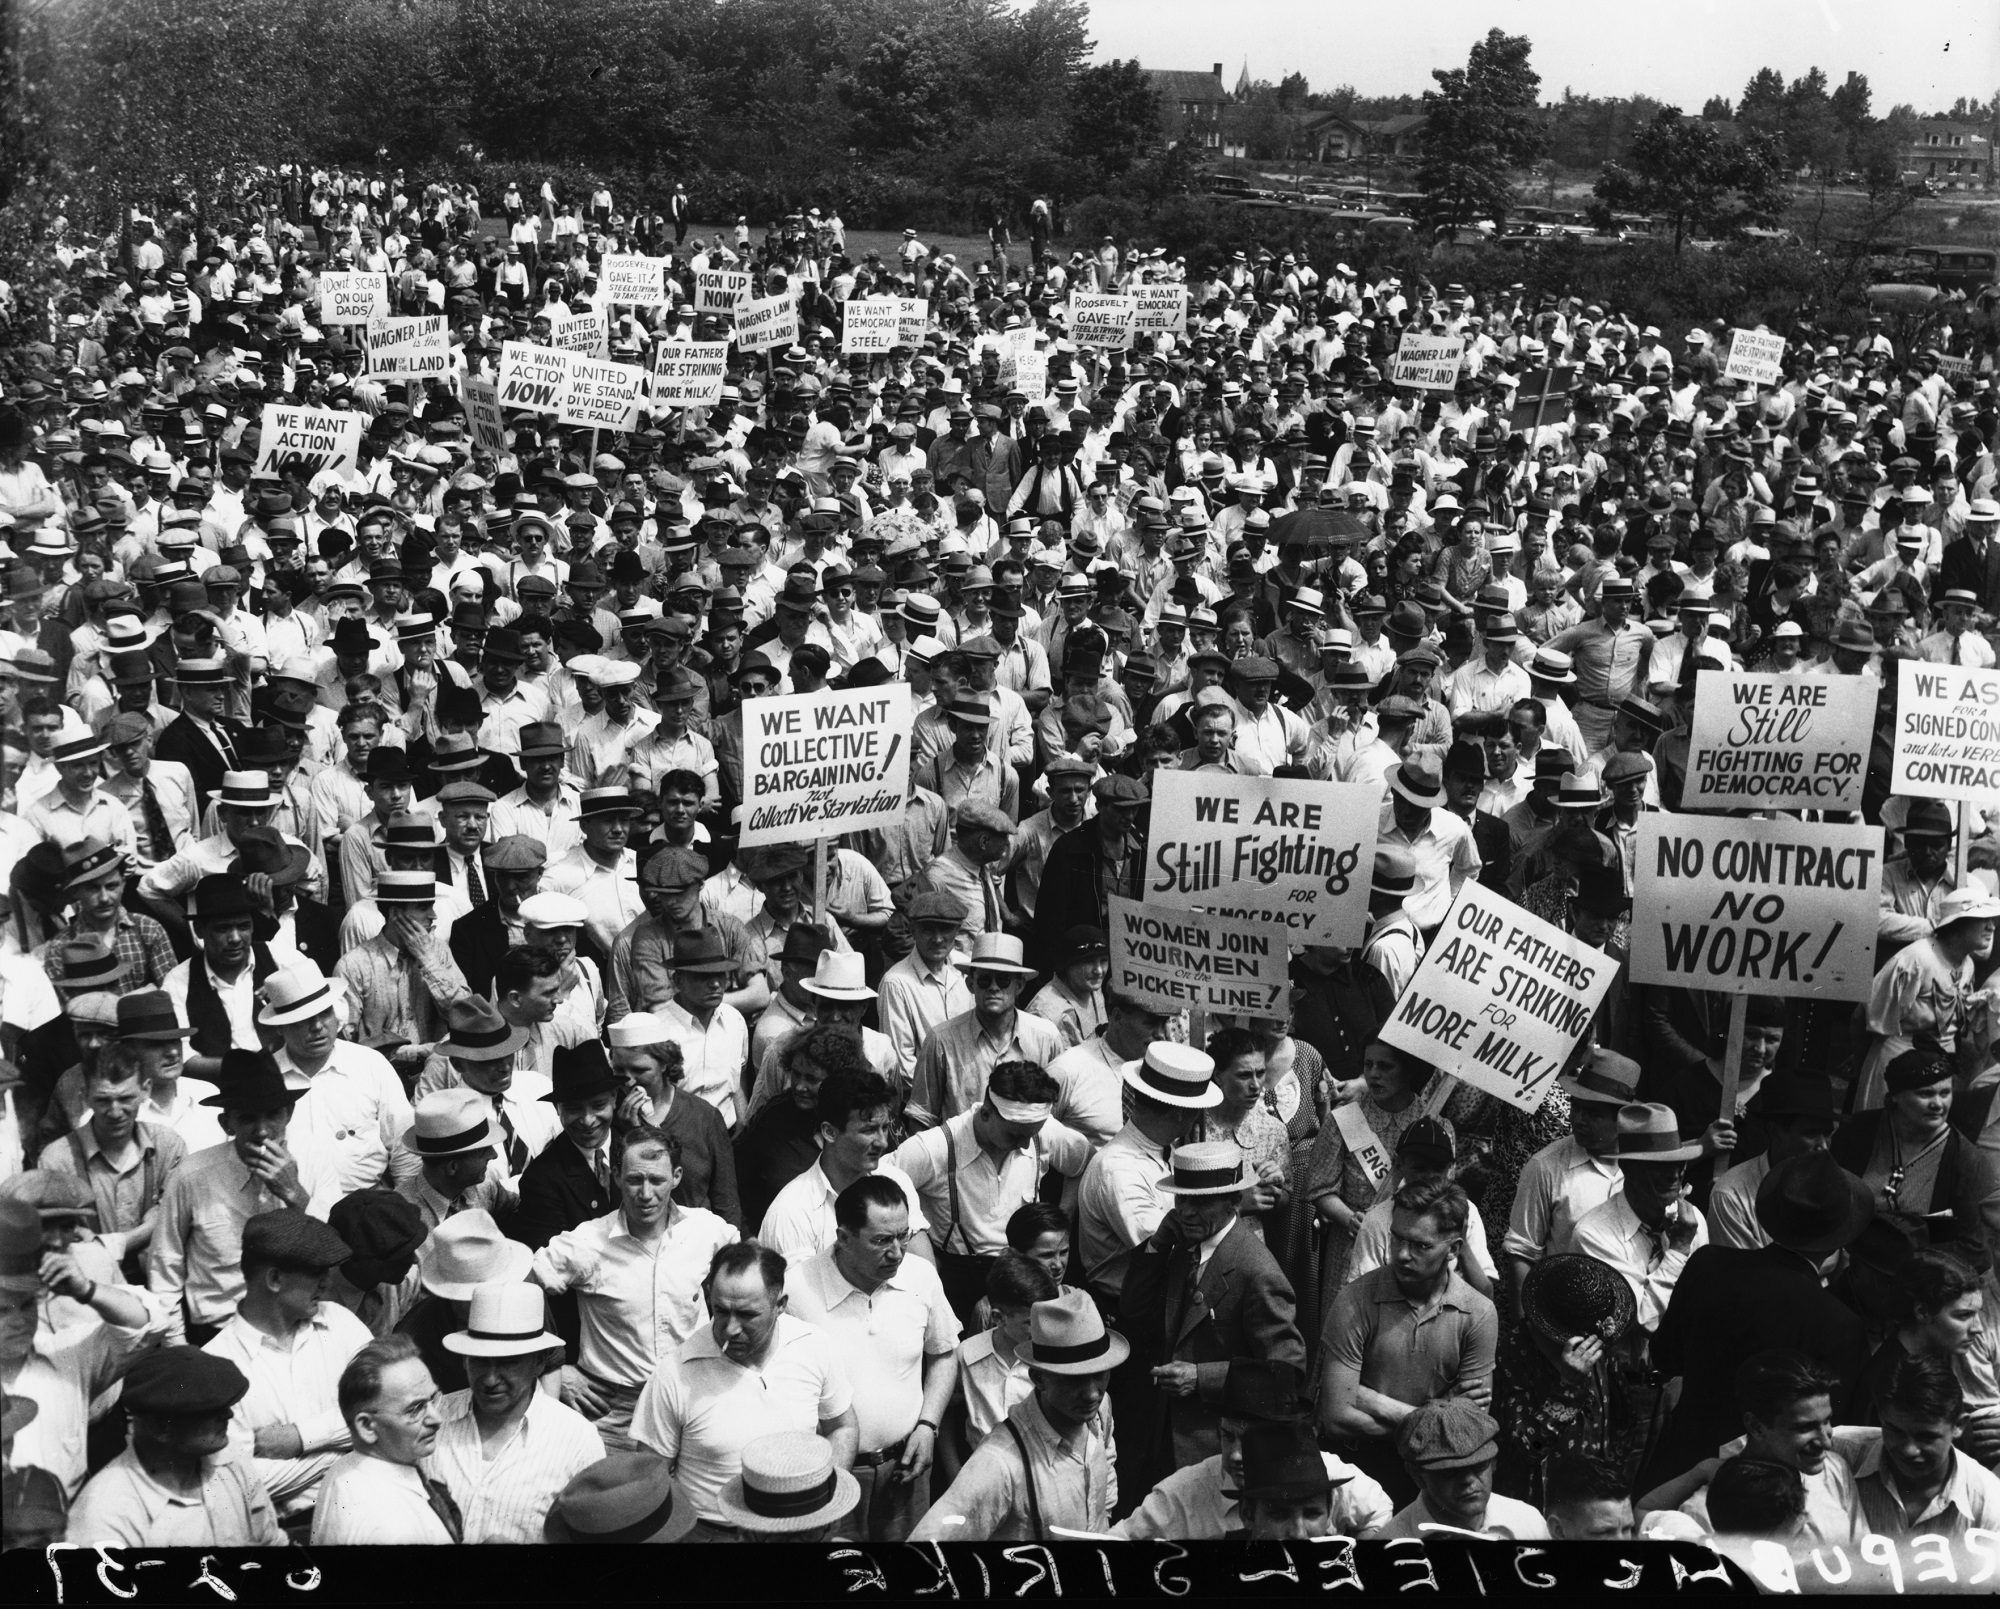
x: 1428, y: 362
x: 1756, y: 907
x: 1947, y: 733
x: 871, y: 326
x: 1501, y: 998
x: 1772, y: 740
x: 482, y: 413
x: 718, y: 290
x: 1191, y: 961
x: 817, y: 764
x: 319, y: 437
x: 688, y: 374
x: 1104, y: 321
x: 638, y: 281
x: 599, y: 394
x: 1031, y: 375
x: 1266, y: 851
x: 1756, y: 356
x: 532, y: 377
x: 586, y: 333
x: 1162, y: 309
x: 1955, y: 368
x: 915, y: 318
x: 766, y: 322
x: 409, y: 349
x: 352, y: 298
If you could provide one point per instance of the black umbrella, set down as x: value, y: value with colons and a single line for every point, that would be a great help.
x: 1316, y: 527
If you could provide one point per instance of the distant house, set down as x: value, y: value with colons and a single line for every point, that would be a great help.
x: 1191, y: 105
x: 1334, y: 137
x: 1954, y: 155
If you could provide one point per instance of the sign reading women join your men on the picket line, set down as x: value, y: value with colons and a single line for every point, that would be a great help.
x: 819, y: 764
x: 1191, y: 961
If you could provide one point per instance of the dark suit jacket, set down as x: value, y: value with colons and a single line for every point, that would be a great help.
x: 1962, y: 567
x: 558, y: 1192
x: 478, y: 939
x: 183, y: 741
x: 1242, y: 1308
x: 1727, y: 1305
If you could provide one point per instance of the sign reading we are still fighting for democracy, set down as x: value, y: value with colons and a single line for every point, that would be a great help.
x: 1195, y: 961
x: 1778, y: 907
x: 1767, y: 740
x: 1947, y: 733
x: 1502, y: 998
x: 1272, y: 852
x: 818, y: 764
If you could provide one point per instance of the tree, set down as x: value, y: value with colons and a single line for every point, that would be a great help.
x: 1114, y: 116
x: 1718, y: 109
x: 1690, y: 173
x: 1849, y: 105
x: 1293, y: 92
x: 1481, y: 121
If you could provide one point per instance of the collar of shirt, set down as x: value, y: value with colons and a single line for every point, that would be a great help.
x: 1207, y: 1247
x: 1953, y: 1494
x: 1454, y: 1295
x: 1034, y: 1424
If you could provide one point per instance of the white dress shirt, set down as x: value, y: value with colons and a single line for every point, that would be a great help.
x: 505, y: 1496
x: 370, y: 1501
x: 799, y: 1222
x: 292, y: 1382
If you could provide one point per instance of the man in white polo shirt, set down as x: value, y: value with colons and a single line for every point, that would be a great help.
x: 897, y: 1339
x: 754, y: 1370
x: 853, y: 1115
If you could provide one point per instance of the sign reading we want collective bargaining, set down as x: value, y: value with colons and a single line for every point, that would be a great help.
x: 819, y: 764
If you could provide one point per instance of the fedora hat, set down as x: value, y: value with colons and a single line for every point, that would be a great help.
x: 217, y: 897
x: 1262, y: 1388
x: 1812, y: 1205
x: 1417, y: 782
x: 539, y: 738
x: 839, y: 975
x: 479, y: 1032
x: 1581, y: 791
x: 504, y: 1321
x: 298, y: 993
x: 250, y: 1081
x: 1606, y: 1078
x: 1395, y: 872
x: 996, y: 952
x: 1649, y: 1132
x: 1281, y: 1458
x: 787, y: 1482
x: 580, y: 1073
x: 247, y: 790
x: 450, y: 1122
x: 149, y: 1014
x: 598, y: 802
x: 265, y: 850
x: 1570, y: 1294
x: 701, y: 949
x: 1067, y: 1336
x: 625, y: 1497
x: 1209, y: 1168
x: 90, y: 861
x: 467, y: 1251
x: 1175, y: 1075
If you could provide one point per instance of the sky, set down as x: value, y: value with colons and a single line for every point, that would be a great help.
x: 1925, y: 52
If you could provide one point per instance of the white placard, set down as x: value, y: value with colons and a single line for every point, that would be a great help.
x: 409, y: 349
x: 689, y: 374
x: 1428, y: 362
x: 352, y: 297
x: 1756, y: 907
x: 1501, y: 999
x: 322, y: 438
x: 1771, y: 740
x: 482, y: 413
x: 1101, y: 321
x: 1947, y: 733
x: 915, y: 319
x: 1187, y: 960
x: 1162, y: 309
x: 870, y: 327
x: 1756, y: 356
x: 1265, y: 850
x: 632, y: 280
x: 767, y: 322
x: 719, y: 290
x: 532, y: 377
x: 587, y: 334
x: 599, y: 394
x: 819, y: 764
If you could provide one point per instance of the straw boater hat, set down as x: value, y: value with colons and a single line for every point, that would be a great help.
x: 1175, y: 1075
x: 787, y: 1482
x: 297, y: 994
x: 504, y: 1321
x: 1209, y: 1168
x: 1067, y: 1336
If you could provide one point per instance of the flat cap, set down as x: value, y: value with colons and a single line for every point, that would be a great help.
x: 290, y: 1239
x: 182, y: 1381
x: 1450, y: 1433
x: 983, y: 817
x: 462, y: 792
x: 938, y: 906
x: 517, y: 852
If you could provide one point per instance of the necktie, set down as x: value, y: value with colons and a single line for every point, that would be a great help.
x: 475, y: 890
x: 992, y: 898
x: 516, y: 1149
x: 443, y: 1506
x: 603, y: 1172
x: 222, y: 742
x: 1954, y: 650
x: 159, y: 841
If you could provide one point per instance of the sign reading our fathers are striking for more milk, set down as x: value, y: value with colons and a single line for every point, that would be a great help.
x: 1775, y: 741
x: 1776, y: 907
x: 1192, y: 961
x: 819, y: 764
x: 1502, y: 998
x: 1275, y: 852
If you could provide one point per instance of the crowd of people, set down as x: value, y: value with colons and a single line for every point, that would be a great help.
x: 426, y: 1122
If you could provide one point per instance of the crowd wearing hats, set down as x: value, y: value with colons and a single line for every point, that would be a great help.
x: 385, y: 981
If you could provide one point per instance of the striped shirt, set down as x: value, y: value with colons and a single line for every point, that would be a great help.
x: 505, y: 1496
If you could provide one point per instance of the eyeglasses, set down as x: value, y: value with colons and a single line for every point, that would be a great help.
x: 889, y: 1242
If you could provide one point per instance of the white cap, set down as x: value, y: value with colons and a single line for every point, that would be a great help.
x: 638, y: 1028
x: 548, y: 909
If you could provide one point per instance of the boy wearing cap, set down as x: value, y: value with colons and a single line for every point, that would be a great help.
x: 78, y: 809
x: 1450, y: 1448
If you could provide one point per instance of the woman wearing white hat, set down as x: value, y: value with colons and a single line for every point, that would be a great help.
x: 1926, y: 992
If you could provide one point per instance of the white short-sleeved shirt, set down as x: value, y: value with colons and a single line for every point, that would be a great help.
x: 881, y: 1337
x: 799, y: 1222
x: 701, y: 1409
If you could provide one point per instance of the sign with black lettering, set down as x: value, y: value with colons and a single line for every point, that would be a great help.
x: 1947, y: 733
x: 816, y: 764
x: 321, y: 438
x: 1775, y: 740
x: 1191, y: 961
x: 1777, y: 907
x: 532, y: 377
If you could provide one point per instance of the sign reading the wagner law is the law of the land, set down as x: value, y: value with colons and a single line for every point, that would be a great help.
x: 1755, y: 355
x: 1428, y: 362
x: 1271, y: 851
x: 1756, y: 907
x: 1187, y: 960
x: 409, y: 349
x: 765, y: 322
x: 1947, y: 733
x: 321, y: 438
x: 819, y: 764
x: 1501, y: 999
x: 1764, y: 740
